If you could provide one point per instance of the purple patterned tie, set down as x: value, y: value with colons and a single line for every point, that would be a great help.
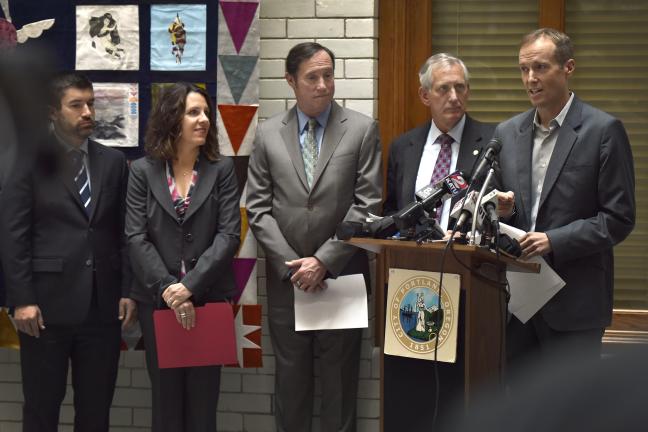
x: 442, y: 165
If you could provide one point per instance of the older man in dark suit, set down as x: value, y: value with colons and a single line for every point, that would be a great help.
x: 312, y: 168
x: 66, y: 270
x: 570, y: 166
x: 451, y: 140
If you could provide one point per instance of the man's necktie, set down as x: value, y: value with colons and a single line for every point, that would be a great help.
x: 81, y: 178
x: 442, y: 165
x: 310, y: 153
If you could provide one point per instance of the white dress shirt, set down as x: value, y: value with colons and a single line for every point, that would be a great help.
x: 544, y: 141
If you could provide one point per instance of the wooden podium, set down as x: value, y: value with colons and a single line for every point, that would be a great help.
x: 408, y: 386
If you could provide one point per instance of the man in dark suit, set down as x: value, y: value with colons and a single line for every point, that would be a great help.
x: 65, y: 265
x: 570, y: 167
x: 415, y: 161
x: 313, y: 167
x: 450, y: 141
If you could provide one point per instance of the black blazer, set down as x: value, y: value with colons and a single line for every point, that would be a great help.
x: 207, y: 239
x: 586, y: 207
x: 405, y: 156
x: 52, y: 249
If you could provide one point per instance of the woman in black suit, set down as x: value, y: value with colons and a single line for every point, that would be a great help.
x: 183, y: 227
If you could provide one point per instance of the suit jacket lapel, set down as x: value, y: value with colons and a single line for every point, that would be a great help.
x: 523, y: 161
x: 95, y: 156
x: 471, y: 142
x: 290, y: 135
x: 335, y: 130
x: 67, y: 177
x: 566, y: 138
x: 206, y: 179
x: 160, y: 187
x: 411, y: 160
x: 70, y: 185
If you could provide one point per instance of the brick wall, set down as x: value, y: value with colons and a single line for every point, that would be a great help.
x: 349, y: 28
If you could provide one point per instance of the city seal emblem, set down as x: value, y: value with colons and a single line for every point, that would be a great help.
x: 415, y: 317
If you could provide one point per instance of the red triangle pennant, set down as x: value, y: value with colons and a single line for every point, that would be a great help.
x: 236, y: 119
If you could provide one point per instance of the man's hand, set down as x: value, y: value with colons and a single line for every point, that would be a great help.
x: 186, y: 315
x: 534, y: 244
x: 308, y: 274
x: 29, y: 320
x: 175, y: 295
x: 505, y: 204
x: 127, y: 312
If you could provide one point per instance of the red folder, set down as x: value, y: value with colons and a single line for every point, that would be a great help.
x: 211, y: 342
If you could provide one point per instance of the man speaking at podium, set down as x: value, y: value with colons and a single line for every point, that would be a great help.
x: 570, y: 167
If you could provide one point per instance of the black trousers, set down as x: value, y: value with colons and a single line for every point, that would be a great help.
x: 92, y: 349
x: 184, y: 399
x: 535, y: 345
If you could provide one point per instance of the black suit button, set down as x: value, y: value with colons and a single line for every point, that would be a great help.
x: 188, y: 237
x: 88, y: 262
x: 193, y: 261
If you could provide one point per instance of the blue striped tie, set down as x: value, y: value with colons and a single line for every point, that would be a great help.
x: 81, y: 178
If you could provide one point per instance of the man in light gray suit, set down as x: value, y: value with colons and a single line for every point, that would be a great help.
x: 313, y: 167
x: 570, y: 167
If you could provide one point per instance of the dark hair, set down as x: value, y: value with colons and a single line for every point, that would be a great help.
x: 564, y: 47
x: 302, y: 52
x: 63, y: 81
x: 165, y: 123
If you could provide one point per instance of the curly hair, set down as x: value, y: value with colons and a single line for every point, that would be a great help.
x: 164, y: 125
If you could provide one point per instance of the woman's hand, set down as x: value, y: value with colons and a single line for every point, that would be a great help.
x: 186, y: 315
x: 175, y: 295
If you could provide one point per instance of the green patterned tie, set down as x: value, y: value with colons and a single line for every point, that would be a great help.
x: 310, y: 153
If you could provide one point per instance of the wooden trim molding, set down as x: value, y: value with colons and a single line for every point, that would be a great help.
x: 628, y: 326
x: 404, y: 43
x: 552, y: 14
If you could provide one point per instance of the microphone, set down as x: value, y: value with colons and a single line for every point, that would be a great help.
x: 492, y: 149
x: 464, y: 209
x: 428, y: 199
x: 381, y: 228
x: 431, y: 196
x: 488, y: 209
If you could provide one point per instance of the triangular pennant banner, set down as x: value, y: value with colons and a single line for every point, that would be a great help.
x: 247, y: 325
x: 236, y: 119
x: 238, y: 16
x: 238, y: 70
x: 242, y: 268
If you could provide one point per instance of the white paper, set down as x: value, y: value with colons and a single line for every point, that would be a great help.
x: 530, y: 291
x: 343, y: 304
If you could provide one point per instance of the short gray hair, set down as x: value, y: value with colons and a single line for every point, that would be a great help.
x: 439, y: 61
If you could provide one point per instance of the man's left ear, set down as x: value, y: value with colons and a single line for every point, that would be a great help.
x: 570, y: 66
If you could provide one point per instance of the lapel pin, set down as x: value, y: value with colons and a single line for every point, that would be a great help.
x: 475, y: 152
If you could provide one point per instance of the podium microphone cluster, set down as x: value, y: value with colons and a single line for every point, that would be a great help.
x: 413, y: 214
